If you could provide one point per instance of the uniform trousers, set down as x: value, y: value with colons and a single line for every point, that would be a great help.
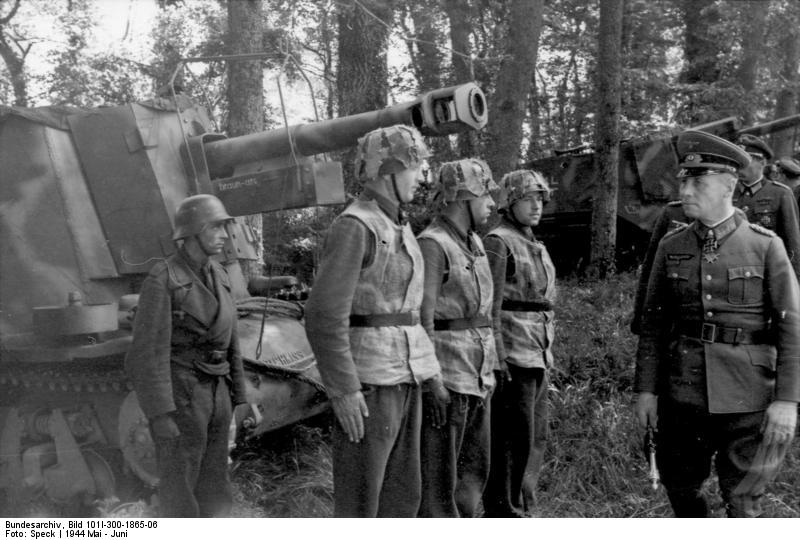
x: 688, y: 438
x: 380, y: 475
x: 193, y: 467
x: 455, y: 458
x: 519, y: 437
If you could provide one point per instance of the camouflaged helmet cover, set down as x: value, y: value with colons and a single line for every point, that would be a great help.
x: 197, y: 211
x: 517, y: 184
x: 389, y: 150
x: 465, y: 179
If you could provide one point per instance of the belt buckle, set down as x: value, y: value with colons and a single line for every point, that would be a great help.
x: 706, y: 330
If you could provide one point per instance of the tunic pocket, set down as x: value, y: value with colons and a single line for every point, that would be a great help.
x: 745, y: 284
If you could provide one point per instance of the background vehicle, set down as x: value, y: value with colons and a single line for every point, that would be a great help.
x: 647, y: 180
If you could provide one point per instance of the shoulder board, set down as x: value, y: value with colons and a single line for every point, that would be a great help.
x: 779, y: 185
x: 681, y: 227
x: 674, y: 203
x: 763, y: 230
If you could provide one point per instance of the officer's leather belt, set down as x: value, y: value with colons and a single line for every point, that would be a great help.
x: 403, y: 318
x: 714, y: 333
x: 521, y: 305
x: 479, y: 321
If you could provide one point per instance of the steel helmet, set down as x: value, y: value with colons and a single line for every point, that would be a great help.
x: 389, y: 150
x: 465, y: 179
x: 517, y: 184
x: 195, y: 212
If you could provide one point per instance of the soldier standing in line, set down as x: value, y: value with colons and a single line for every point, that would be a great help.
x: 718, y: 363
x: 457, y: 314
x: 523, y: 319
x: 363, y: 323
x: 185, y: 364
x: 767, y: 203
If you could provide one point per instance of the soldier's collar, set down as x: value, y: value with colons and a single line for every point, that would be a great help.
x: 388, y: 206
x: 195, y: 266
x: 752, y: 188
x: 524, y: 230
x: 722, y: 229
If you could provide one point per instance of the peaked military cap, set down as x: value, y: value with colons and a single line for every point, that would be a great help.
x: 704, y: 151
x: 755, y: 145
x: 789, y: 166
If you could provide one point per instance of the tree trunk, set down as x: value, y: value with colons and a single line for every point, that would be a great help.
x: 459, y: 13
x: 14, y: 59
x: 700, y: 48
x: 510, y: 101
x: 752, y: 43
x: 786, y: 103
x: 427, y: 58
x: 609, y: 87
x: 245, y: 92
x: 362, y: 79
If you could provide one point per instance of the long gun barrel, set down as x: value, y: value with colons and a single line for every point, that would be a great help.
x: 439, y: 112
x: 770, y: 127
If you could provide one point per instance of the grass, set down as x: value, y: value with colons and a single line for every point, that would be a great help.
x: 594, y: 466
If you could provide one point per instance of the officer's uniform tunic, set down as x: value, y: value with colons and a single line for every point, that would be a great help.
x: 773, y: 206
x: 362, y: 321
x: 457, y: 313
x: 523, y: 318
x: 185, y: 361
x: 720, y: 341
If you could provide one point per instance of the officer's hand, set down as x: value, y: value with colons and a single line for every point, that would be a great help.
x: 164, y: 427
x: 349, y: 410
x: 647, y: 409
x: 436, y: 398
x: 780, y: 422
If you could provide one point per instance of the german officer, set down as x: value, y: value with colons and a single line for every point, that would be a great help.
x: 457, y: 314
x: 767, y: 203
x: 185, y: 365
x: 718, y: 363
x: 524, y: 282
x: 363, y: 323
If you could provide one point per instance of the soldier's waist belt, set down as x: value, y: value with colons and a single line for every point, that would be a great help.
x: 479, y: 321
x: 193, y: 354
x: 403, y: 318
x: 714, y: 333
x: 521, y: 305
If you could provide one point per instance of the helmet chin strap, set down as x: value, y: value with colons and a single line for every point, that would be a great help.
x: 396, y: 191
x: 472, y: 226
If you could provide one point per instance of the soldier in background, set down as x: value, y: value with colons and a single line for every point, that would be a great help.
x: 787, y: 172
x: 524, y: 283
x: 457, y: 314
x: 718, y: 363
x: 363, y: 323
x: 767, y: 203
x: 185, y: 364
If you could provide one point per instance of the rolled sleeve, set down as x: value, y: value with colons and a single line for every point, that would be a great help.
x: 330, y: 302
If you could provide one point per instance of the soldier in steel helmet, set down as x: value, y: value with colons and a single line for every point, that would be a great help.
x: 363, y: 323
x: 524, y: 283
x: 185, y: 364
x: 769, y: 204
x: 718, y: 362
x: 457, y: 314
